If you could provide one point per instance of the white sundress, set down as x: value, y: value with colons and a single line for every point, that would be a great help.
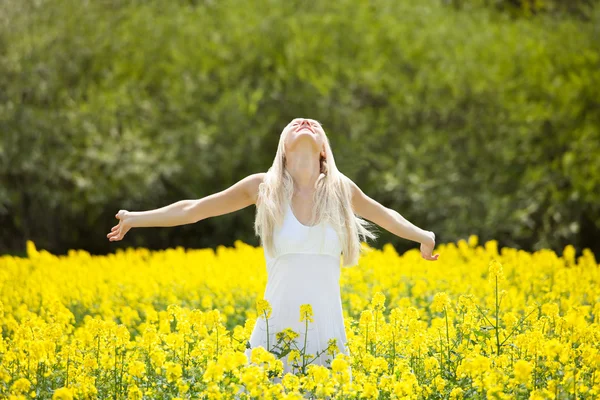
x: 305, y: 270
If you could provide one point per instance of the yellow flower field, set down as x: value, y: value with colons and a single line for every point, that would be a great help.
x: 478, y: 323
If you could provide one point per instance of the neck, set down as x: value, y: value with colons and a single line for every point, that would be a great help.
x: 304, y: 167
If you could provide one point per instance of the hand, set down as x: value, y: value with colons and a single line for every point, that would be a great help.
x: 427, y: 248
x: 118, y: 231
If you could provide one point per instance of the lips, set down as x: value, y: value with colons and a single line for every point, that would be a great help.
x: 305, y: 127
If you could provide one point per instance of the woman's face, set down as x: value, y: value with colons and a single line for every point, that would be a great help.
x: 305, y: 130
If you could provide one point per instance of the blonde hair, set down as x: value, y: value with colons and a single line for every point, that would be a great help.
x: 332, y: 202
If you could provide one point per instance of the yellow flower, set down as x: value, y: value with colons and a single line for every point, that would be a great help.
x: 456, y: 394
x: 251, y: 377
x: 541, y: 394
x: 510, y: 320
x: 378, y: 302
x: 137, y: 368
x: 440, y: 383
x: 31, y: 249
x: 339, y: 364
x: 491, y: 246
x: 286, y: 335
x: 473, y: 240
x: 553, y: 348
x: 182, y: 386
x: 550, y: 309
x: 370, y: 391
x: 260, y: 355
x: 441, y: 302
x: 522, y: 370
x: 319, y: 373
x: 213, y: 317
x: 569, y: 254
x: 419, y: 289
x: 227, y: 360
x: 332, y: 347
x: 293, y: 356
x: 134, y: 392
x: 495, y: 271
x: 21, y: 385
x: 366, y: 317
x: 263, y: 308
x: 174, y: 371
x: 213, y: 373
x: 63, y: 394
x: 431, y: 364
x: 291, y: 382
x: 306, y: 313
x: 158, y: 357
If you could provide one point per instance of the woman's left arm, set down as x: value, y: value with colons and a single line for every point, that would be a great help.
x: 391, y: 221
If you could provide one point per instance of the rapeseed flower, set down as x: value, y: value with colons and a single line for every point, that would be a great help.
x: 441, y: 301
x: 496, y: 271
x: 63, y: 393
x: 92, y: 316
x: 264, y: 309
x: 21, y: 385
x: 306, y: 313
x: 522, y: 371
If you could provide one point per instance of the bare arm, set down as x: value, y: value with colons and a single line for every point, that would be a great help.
x: 238, y: 196
x: 391, y: 220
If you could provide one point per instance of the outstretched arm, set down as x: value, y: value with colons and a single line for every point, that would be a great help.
x: 234, y: 198
x: 391, y: 221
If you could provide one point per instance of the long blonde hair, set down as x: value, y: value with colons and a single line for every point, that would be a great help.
x: 332, y: 202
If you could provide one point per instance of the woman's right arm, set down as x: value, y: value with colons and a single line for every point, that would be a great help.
x: 238, y: 196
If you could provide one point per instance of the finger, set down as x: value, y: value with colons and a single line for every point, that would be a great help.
x: 115, y: 227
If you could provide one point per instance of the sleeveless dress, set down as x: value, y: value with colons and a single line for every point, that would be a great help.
x: 305, y: 270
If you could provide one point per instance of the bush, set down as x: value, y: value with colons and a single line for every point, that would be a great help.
x: 465, y: 122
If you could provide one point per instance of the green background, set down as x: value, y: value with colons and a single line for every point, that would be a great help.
x: 466, y: 117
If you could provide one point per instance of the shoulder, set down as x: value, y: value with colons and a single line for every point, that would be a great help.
x: 252, y: 184
x: 351, y: 186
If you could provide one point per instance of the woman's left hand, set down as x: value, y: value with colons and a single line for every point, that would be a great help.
x: 427, y: 247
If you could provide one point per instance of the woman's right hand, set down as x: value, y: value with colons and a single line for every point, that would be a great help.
x: 118, y: 231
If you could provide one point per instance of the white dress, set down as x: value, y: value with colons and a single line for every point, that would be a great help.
x: 305, y: 270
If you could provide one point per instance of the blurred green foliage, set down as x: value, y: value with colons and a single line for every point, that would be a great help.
x: 529, y: 8
x: 466, y: 121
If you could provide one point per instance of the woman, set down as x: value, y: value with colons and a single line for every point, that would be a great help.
x: 305, y: 218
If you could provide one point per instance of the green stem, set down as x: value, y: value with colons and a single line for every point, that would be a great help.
x: 497, y: 325
x: 484, y: 316
x: 304, y: 348
x: 115, y: 369
x: 447, y: 335
x: 267, y: 322
x: 374, y: 348
x: 515, y: 328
